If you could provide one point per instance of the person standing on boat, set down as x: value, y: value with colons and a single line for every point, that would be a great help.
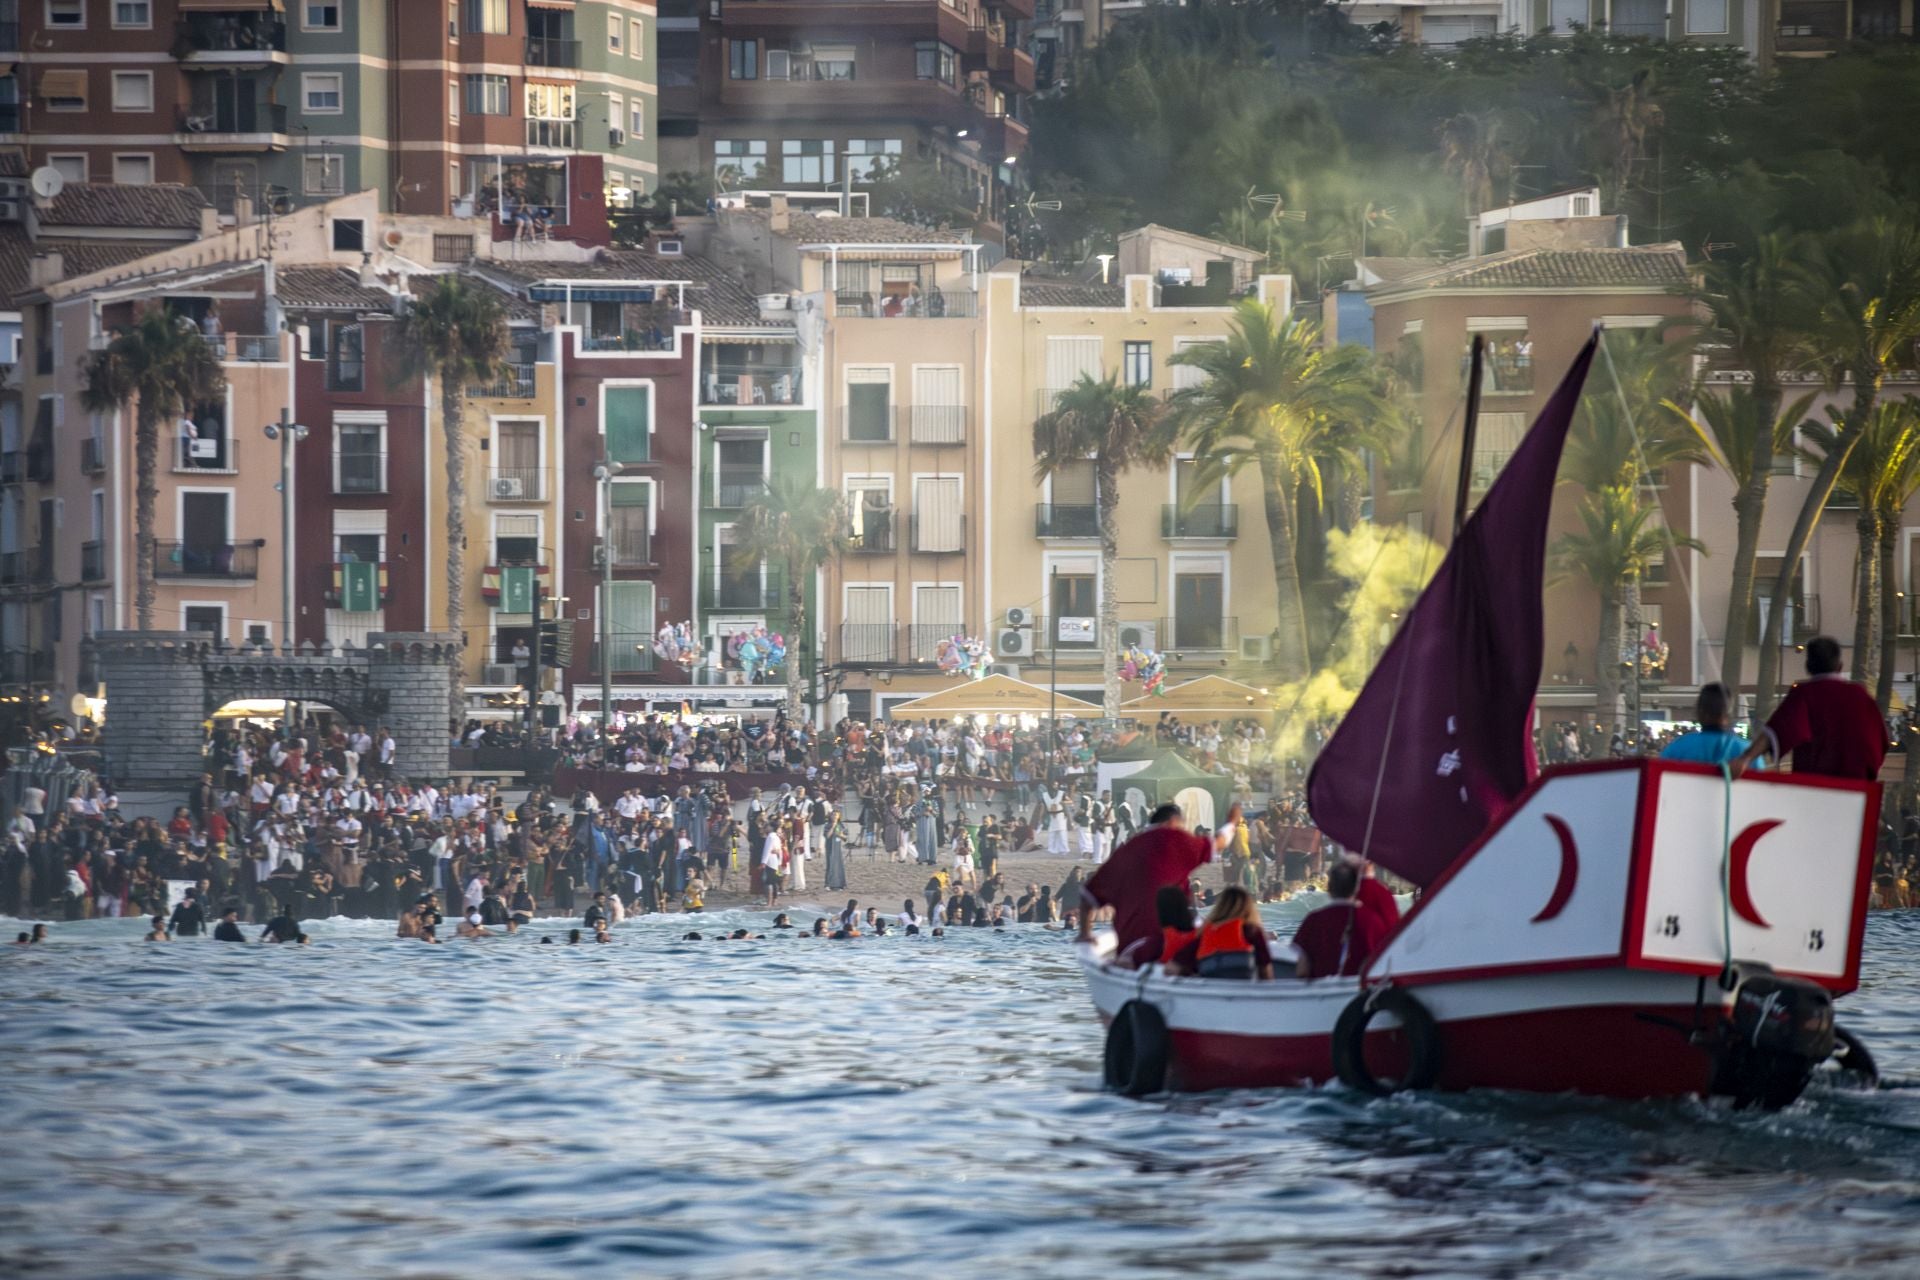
x: 1714, y: 742
x: 1337, y: 938
x: 1830, y: 725
x: 1164, y: 854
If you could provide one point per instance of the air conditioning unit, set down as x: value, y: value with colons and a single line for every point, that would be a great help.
x: 1018, y: 617
x: 9, y: 211
x: 1256, y: 648
x: 1013, y: 643
x: 1138, y: 635
x: 669, y: 247
x: 616, y: 137
x: 779, y: 64
x: 1009, y: 669
x: 499, y: 673
x: 509, y: 486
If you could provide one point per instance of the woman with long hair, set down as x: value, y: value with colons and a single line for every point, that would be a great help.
x: 1232, y: 943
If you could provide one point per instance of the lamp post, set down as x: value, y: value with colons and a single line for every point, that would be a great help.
x: 603, y: 474
x: 288, y: 433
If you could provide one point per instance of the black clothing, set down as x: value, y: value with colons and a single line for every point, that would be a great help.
x: 189, y: 921
x: 228, y: 931
x: 281, y: 929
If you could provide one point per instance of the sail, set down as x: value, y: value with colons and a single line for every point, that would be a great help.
x: 1443, y: 725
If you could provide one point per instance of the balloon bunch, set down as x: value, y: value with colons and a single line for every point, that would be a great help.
x: 1147, y: 665
x: 675, y: 643
x: 757, y: 650
x: 964, y: 656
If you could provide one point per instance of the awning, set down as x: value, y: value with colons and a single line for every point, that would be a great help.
x: 63, y: 83
x: 994, y: 696
x: 588, y: 293
x: 550, y: 4
x: 1213, y: 697
x: 231, y: 6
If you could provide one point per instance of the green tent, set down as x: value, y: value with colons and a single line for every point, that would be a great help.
x: 1164, y: 780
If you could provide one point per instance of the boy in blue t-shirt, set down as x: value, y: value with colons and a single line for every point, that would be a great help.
x: 1713, y: 742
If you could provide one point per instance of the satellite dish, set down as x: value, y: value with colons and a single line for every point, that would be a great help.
x: 47, y: 182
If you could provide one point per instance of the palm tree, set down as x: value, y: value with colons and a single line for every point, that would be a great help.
x: 799, y: 527
x: 165, y: 367
x: 1898, y: 484
x: 1620, y: 434
x: 1756, y: 309
x: 1274, y: 397
x: 1120, y: 428
x: 456, y: 335
x: 1474, y: 150
x: 1620, y: 536
x: 1625, y: 118
x: 1866, y: 282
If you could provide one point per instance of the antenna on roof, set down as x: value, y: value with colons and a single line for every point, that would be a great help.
x: 1276, y: 205
x: 1036, y: 205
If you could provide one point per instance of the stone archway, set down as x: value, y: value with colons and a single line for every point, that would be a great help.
x: 162, y: 685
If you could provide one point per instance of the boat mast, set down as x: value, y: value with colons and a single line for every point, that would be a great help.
x: 1464, y: 487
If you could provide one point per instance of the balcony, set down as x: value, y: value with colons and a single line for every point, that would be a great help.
x: 929, y: 304
x: 733, y: 488
x: 1810, y: 25
x: 214, y: 457
x: 870, y: 534
x: 938, y: 423
x: 229, y: 561
x: 39, y: 461
x: 93, y: 455
x: 1010, y: 69
x: 632, y: 548
x: 346, y: 373
x: 245, y: 348
x: 542, y: 132
x: 656, y: 338
x: 745, y: 593
x: 545, y: 51
x: 233, y: 127
x: 1220, y: 520
x: 1071, y: 520
x: 866, y: 424
x: 32, y: 566
x: 891, y: 644
x: 761, y: 384
x: 93, y: 562
x: 517, y: 484
x: 629, y: 653
x: 13, y: 466
x: 360, y: 472
x: 1180, y: 637
x: 227, y: 41
x: 944, y: 537
x: 516, y: 383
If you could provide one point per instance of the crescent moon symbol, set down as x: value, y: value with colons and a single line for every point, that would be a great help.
x: 1738, y: 856
x: 1569, y: 870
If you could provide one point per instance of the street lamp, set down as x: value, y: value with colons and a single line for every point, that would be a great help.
x: 603, y: 475
x: 288, y: 433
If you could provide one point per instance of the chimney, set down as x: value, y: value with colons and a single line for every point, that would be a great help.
x: 369, y: 278
x: 46, y: 267
x: 1620, y: 240
x: 242, y: 211
x: 777, y: 215
x: 209, y: 222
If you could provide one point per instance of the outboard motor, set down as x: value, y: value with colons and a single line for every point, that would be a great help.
x: 1777, y: 1032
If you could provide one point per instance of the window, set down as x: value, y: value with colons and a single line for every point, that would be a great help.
x: 320, y: 17
x: 1444, y: 30
x: 628, y: 423
x: 133, y: 91
x: 1566, y: 15
x: 487, y: 17
x: 636, y: 39
x: 630, y: 521
x: 550, y: 102
x: 347, y: 358
x: 869, y: 405
x: 1706, y: 17
x: 323, y: 174
x: 65, y: 89
x: 1074, y: 624
x: 629, y: 625
x: 637, y: 118
x: 487, y: 96
x: 743, y: 60
x: 349, y: 235
x: 867, y: 634
x: 133, y: 13
x: 322, y: 93
x: 67, y: 13
x: 1509, y: 354
x: 806, y: 160
x: 1139, y: 364
x: 1583, y: 206
x: 933, y: 60
x: 833, y: 62
x: 516, y: 540
x: 211, y: 618
x: 738, y: 160
x: 1198, y: 603
x: 359, y: 457
x: 133, y: 170
x: 616, y: 29
x: 616, y: 111
x: 1494, y: 441
x: 866, y: 155
x: 448, y: 248
x: 453, y: 102
x: 71, y: 166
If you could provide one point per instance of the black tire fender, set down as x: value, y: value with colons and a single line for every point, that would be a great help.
x: 1416, y: 1024
x: 1852, y: 1058
x: 1138, y: 1047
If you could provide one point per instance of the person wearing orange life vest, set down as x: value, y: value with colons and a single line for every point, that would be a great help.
x: 1231, y: 943
x: 1174, y: 910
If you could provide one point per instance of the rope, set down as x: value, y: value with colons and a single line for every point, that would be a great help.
x: 1726, y: 876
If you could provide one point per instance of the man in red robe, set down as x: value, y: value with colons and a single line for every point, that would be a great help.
x: 1162, y: 855
x: 1830, y: 725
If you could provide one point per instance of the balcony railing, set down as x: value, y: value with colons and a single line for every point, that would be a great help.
x: 632, y: 548
x: 93, y: 562
x: 891, y: 644
x: 246, y: 348
x: 544, y: 51
x: 929, y: 304
x: 516, y: 383
x: 654, y: 339
x: 229, y: 560
x: 733, y: 489
x: 743, y: 592
x: 759, y: 385
x: 93, y: 455
x: 517, y: 484
x: 938, y: 423
x: 866, y: 425
x: 233, y: 117
x: 214, y: 456
x: 232, y: 33
x: 870, y: 533
x: 628, y: 653
x: 1179, y: 636
x: 943, y: 537
x: 346, y: 374
x: 1216, y: 521
x: 39, y: 461
x: 362, y: 471
x: 542, y: 132
x: 1066, y: 520
x: 13, y: 466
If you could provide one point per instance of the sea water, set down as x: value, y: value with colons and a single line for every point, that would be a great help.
x: 657, y: 1107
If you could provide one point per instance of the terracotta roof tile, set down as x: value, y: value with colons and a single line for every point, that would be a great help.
x: 720, y: 297
x: 160, y: 206
x: 1653, y: 267
x: 328, y: 289
x: 78, y: 257
x: 811, y: 228
x: 1043, y: 292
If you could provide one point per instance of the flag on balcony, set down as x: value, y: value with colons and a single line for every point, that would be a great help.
x: 493, y: 585
x: 360, y: 585
x: 516, y: 589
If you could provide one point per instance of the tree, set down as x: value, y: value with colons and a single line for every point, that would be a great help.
x: 1120, y: 428
x: 454, y: 335
x: 1274, y: 397
x: 798, y: 526
x: 1900, y: 483
x: 1620, y: 535
x: 921, y: 193
x: 164, y: 367
x: 1621, y: 433
x: 1756, y: 308
x: 1866, y: 317
x: 1474, y: 151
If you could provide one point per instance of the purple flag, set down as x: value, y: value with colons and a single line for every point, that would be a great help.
x: 1463, y: 672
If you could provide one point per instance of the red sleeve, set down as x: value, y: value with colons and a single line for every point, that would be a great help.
x: 1188, y: 957
x: 1790, y: 726
x: 1262, y: 953
x: 1094, y: 888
